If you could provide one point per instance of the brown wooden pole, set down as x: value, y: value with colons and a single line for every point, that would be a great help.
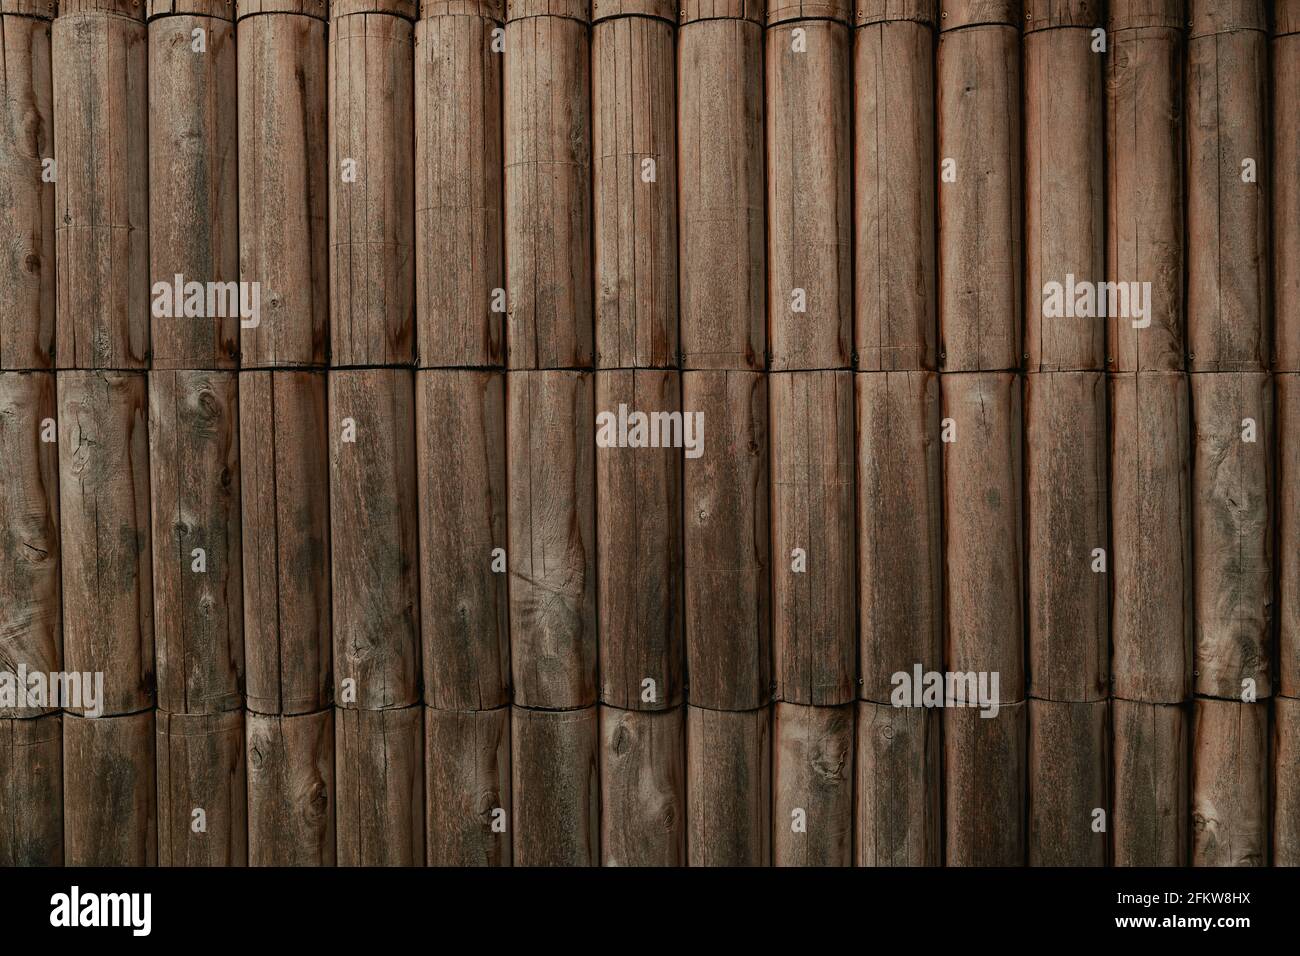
x: 984, y: 785
x: 291, y: 789
x: 1151, y: 743
x: 1229, y: 783
x: 897, y: 818
x: 812, y: 779
x: 31, y: 791
x: 202, y: 803
x: 1285, y: 796
x: 379, y: 786
x: 642, y: 787
x: 1287, y: 399
x: 556, y: 787
x: 467, y: 787
x: 729, y: 787
x: 1284, y: 56
x: 108, y: 790
x: 1069, y: 782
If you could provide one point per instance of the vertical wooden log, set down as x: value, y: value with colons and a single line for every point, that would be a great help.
x: 896, y: 818
x: 374, y: 548
x: 728, y: 787
x: 109, y: 803
x: 1286, y: 782
x: 1288, y: 532
x: 284, y: 479
x: 634, y: 144
x: 1144, y: 175
x: 458, y: 184
x: 550, y: 478
x: 371, y: 182
x: 31, y: 611
x: 809, y: 187
x: 1150, y: 819
x: 812, y: 776
x: 642, y: 787
x: 813, y: 573
x: 31, y: 790
x: 899, y: 532
x: 728, y: 626
x: 548, y: 184
x: 984, y: 786
x: 1069, y: 782
x: 291, y: 789
x: 198, y: 581
x: 202, y: 803
x: 467, y: 787
x: 1228, y: 307
x: 1285, y: 130
x: 978, y: 77
x: 283, y: 198
x: 639, y: 544
x: 27, y: 272
x: 1230, y: 783
x: 556, y: 788
x: 105, y: 553
x: 101, y: 142
x: 1232, y: 535
x: 194, y: 188
x: 461, y: 488
x: 893, y: 173
x: 721, y: 193
x: 379, y: 762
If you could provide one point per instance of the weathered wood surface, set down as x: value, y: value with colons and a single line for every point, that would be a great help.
x: 31, y: 791
x: 1284, y: 55
x: 31, y: 609
x: 461, y: 491
x: 550, y: 481
x: 812, y: 779
x: 202, y: 798
x: 813, y: 571
x: 284, y: 478
x: 374, y: 532
x: 108, y: 619
x: 291, y: 793
x: 556, y: 787
x: 1229, y: 783
x: 984, y: 762
x: 1069, y: 783
x: 371, y: 184
x: 101, y: 141
x: 642, y: 787
x: 467, y: 787
x: 1288, y: 532
x: 897, y: 820
x: 639, y: 549
x: 193, y: 179
x: 109, y: 798
x: 27, y: 272
x: 727, y: 544
x: 1151, y: 744
x: 379, y: 786
x: 197, y: 543
x: 729, y: 787
x: 1285, y: 794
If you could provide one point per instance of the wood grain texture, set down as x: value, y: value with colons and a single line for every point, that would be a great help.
x: 200, y: 761
x: 784, y: 11
x: 1232, y: 533
x: 194, y: 188
x: 692, y: 11
x: 983, y: 567
x: 371, y: 217
x: 101, y: 136
x: 634, y: 148
x: 642, y: 787
x: 957, y: 14
x: 27, y: 272
x: 813, y: 570
x: 1284, y: 56
x: 1229, y: 783
x: 899, y: 529
x: 1069, y: 781
x: 556, y: 787
x: 109, y: 800
x: 809, y: 196
x: 721, y: 193
x: 108, y: 623
x: 194, y: 491
x: 897, y: 818
x: 374, y: 546
x: 639, y: 549
x: 728, y: 787
x: 1288, y: 532
x: 1151, y: 744
x: 461, y: 489
x: 291, y: 792
x: 984, y: 762
x: 31, y: 609
x: 1285, y: 793
x: 1151, y: 537
x: 284, y: 479
x: 1137, y: 14
x: 283, y: 197
x: 894, y: 287
x: 458, y: 190
x: 1066, y: 524
x: 379, y: 786
x: 812, y: 779
x: 726, y: 545
x: 31, y: 791
x: 467, y: 787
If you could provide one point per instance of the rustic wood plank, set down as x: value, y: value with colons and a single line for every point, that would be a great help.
x: 897, y: 819
x: 461, y: 488
x: 379, y: 786
x: 556, y: 787
x: 1151, y: 745
x: 984, y: 780
x: 729, y: 787
x: 467, y: 787
x: 1285, y: 794
x: 31, y: 791
x: 884, y: 11
x: 291, y: 789
x: 812, y: 779
x: 201, y: 768
x: 1229, y: 783
x: 109, y: 799
x: 1288, y: 532
x: 1069, y: 782
x: 284, y: 477
x: 813, y: 570
x: 642, y: 787
x: 1284, y: 56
